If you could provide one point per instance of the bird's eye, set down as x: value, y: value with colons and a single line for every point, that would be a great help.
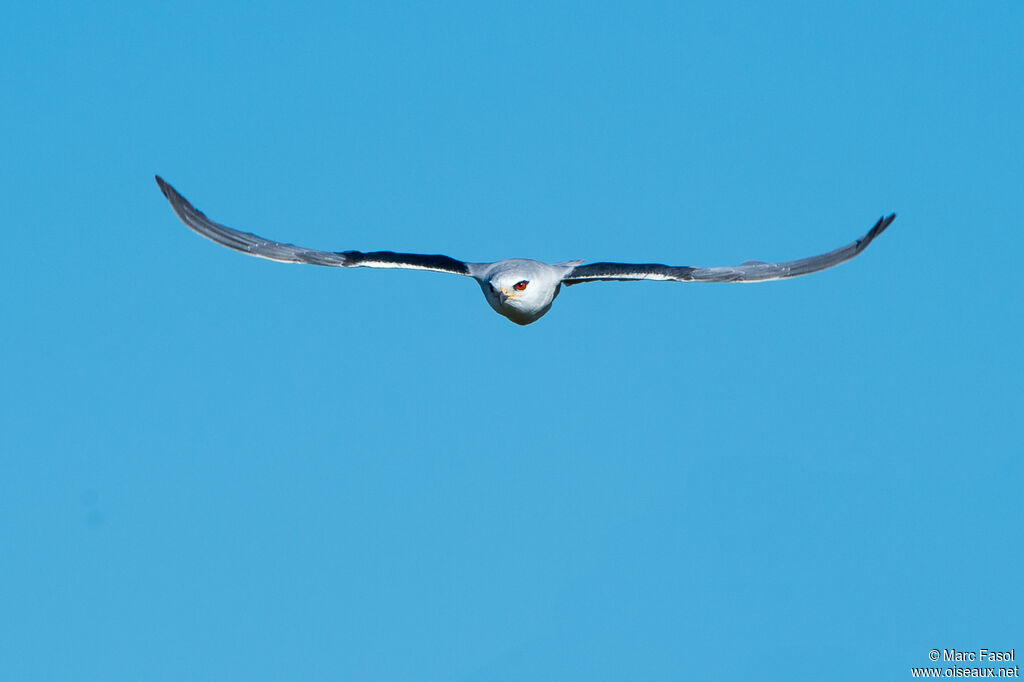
x: 521, y: 285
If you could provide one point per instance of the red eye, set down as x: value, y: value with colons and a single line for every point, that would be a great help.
x: 521, y: 285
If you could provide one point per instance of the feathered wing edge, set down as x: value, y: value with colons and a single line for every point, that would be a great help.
x: 254, y: 245
x: 751, y: 271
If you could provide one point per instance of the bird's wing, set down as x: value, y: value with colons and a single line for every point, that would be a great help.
x: 254, y: 245
x: 751, y: 271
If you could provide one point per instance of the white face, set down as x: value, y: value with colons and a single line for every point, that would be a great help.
x: 518, y: 297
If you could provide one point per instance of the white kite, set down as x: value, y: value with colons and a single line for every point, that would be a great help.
x: 522, y: 290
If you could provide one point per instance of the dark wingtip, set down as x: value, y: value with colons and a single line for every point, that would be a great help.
x: 878, y: 229
x: 164, y: 186
x: 173, y: 195
x: 883, y: 222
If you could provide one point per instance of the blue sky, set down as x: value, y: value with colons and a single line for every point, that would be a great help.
x: 215, y: 467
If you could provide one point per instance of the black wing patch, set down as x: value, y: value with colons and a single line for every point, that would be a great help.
x: 418, y: 261
x: 254, y: 245
x: 750, y: 271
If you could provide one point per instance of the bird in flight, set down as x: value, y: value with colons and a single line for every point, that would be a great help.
x: 521, y: 290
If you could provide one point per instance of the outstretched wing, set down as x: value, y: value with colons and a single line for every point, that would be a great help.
x: 254, y: 245
x: 751, y: 271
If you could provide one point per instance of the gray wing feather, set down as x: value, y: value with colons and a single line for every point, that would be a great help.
x: 750, y: 271
x: 254, y: 245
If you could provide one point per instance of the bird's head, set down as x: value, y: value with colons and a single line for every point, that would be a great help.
x: 521, y: 290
